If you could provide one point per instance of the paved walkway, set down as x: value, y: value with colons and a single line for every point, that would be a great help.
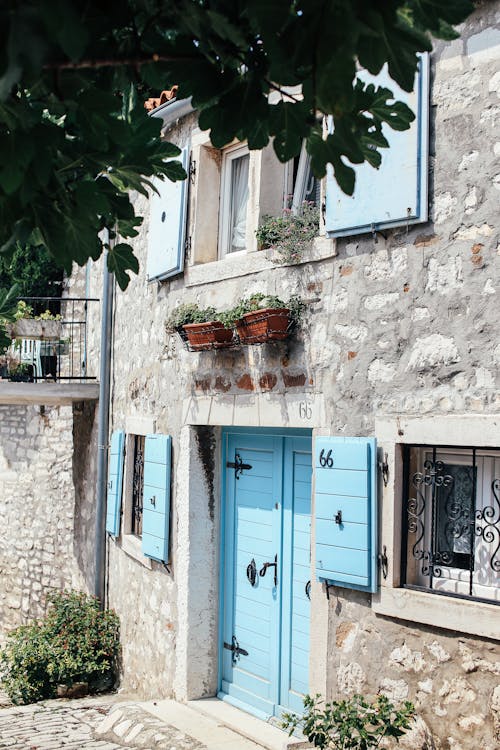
x: 111, y: 723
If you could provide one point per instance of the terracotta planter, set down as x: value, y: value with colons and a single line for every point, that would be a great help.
x: 270, y: 324
x: 209, y: 335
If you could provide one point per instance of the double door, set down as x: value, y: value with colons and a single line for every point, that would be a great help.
x: 266, y: 564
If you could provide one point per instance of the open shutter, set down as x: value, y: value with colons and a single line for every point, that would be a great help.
x: 346, y: 511
x: 156, y: 500
x: 115, y: 481
x: 167, y: 226
x: 396, y: 193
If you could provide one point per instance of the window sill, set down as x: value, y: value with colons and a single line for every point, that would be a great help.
x: 244, y: 264
x: 132, y: 546
x: 468, y: 617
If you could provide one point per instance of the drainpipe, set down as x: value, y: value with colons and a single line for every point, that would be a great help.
x: 103, y: 430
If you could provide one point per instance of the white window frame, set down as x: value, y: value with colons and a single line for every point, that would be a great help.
x: 229, y: 155
x: 464, y: 615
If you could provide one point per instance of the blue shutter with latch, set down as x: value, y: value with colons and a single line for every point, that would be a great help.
x: 346, y: 511
x: 115, y: 481
x: 396, y: 193
x: 167, y: 226
x: 156, y: 498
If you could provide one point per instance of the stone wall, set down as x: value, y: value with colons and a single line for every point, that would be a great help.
x: 403, y: 323
x: 45, y: 523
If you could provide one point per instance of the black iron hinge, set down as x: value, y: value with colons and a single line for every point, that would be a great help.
x: 236, y: 649
x: 238, y: 465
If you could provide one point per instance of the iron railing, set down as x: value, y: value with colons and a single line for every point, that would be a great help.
x: 60, y: 351
x: 451, y: 521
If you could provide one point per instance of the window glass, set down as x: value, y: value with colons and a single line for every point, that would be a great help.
x: 238, y: 204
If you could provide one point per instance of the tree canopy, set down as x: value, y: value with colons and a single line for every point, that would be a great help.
x: 75, y: 137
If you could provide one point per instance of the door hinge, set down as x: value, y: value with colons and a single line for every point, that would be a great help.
x: 383, y: 562
x: 187, y: 247
x: 238, y: 465
x: 236, y: 649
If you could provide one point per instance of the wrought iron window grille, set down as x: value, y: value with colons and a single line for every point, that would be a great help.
x: 451, y: 521
x: 137, y: 485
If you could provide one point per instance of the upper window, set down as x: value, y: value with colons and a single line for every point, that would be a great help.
x: 234, y: 200
x: 305, y: 186
x: 451, y: 521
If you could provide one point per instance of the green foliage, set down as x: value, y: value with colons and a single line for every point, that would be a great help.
x: 261, y: 301
x: 189, y: 313
x: 75, y: 642
x: 33, y: 270
x: 75, y: 138
x: 8, y: 310
x: 353, y: 723
x: 289, y: 234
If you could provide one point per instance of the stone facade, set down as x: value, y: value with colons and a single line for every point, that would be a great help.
x: 48, y: 525
x: 399, y: 325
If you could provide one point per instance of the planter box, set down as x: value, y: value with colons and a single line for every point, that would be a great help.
x: 270, y: 324
x: 209, y: 335
x: 28, y: 328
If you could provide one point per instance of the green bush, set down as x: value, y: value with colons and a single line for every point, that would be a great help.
x: 289, y: 234
x: 353, y: 724
x: 74, y: 642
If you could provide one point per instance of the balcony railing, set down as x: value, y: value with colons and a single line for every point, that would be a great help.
x: 54, y: 348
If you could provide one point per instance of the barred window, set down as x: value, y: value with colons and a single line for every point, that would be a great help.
x: 137, y: 486
x: 451, y: 521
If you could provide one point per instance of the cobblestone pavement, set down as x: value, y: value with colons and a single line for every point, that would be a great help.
x: 87, y: 724
x: 54, y: 725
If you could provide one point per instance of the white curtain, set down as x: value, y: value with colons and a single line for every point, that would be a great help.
x: 239, y: 200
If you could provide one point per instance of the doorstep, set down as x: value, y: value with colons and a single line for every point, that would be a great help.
x: 246, y: 725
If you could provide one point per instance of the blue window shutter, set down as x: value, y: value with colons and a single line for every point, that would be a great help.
x: 156, y: 499
x: 115, y: 481
x: 346, y: 489
x: 396, y: 193
x: 167, y: 226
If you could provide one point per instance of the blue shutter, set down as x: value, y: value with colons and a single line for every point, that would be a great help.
x: 115, y: 481
x: 156, y: 499
x: 396, y: 193
x: 346, y: 490
x: 167, y: 226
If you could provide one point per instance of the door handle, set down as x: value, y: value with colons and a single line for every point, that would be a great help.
x: 263, y: 570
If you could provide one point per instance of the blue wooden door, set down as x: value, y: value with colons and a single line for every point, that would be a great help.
x: 265, y: 648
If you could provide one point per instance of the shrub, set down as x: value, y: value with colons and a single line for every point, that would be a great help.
x: 74, y: 642
x: 352, y: 724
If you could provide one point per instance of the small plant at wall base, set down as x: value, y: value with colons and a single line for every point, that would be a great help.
x: 289, y: 234
x: 353, y: 724
x: 75, y: 642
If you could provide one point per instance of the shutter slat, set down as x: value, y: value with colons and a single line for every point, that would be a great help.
x: 346, y: 552
x: 115, y: 481
x: 396, y: 193
x: 156, y: 498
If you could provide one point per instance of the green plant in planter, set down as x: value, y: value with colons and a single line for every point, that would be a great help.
x: 353, y: 724
x: 261, y: 301
x: 20, y: 372
x: 75, y: 642
x: 189, y: 313
x: 289, y: 234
